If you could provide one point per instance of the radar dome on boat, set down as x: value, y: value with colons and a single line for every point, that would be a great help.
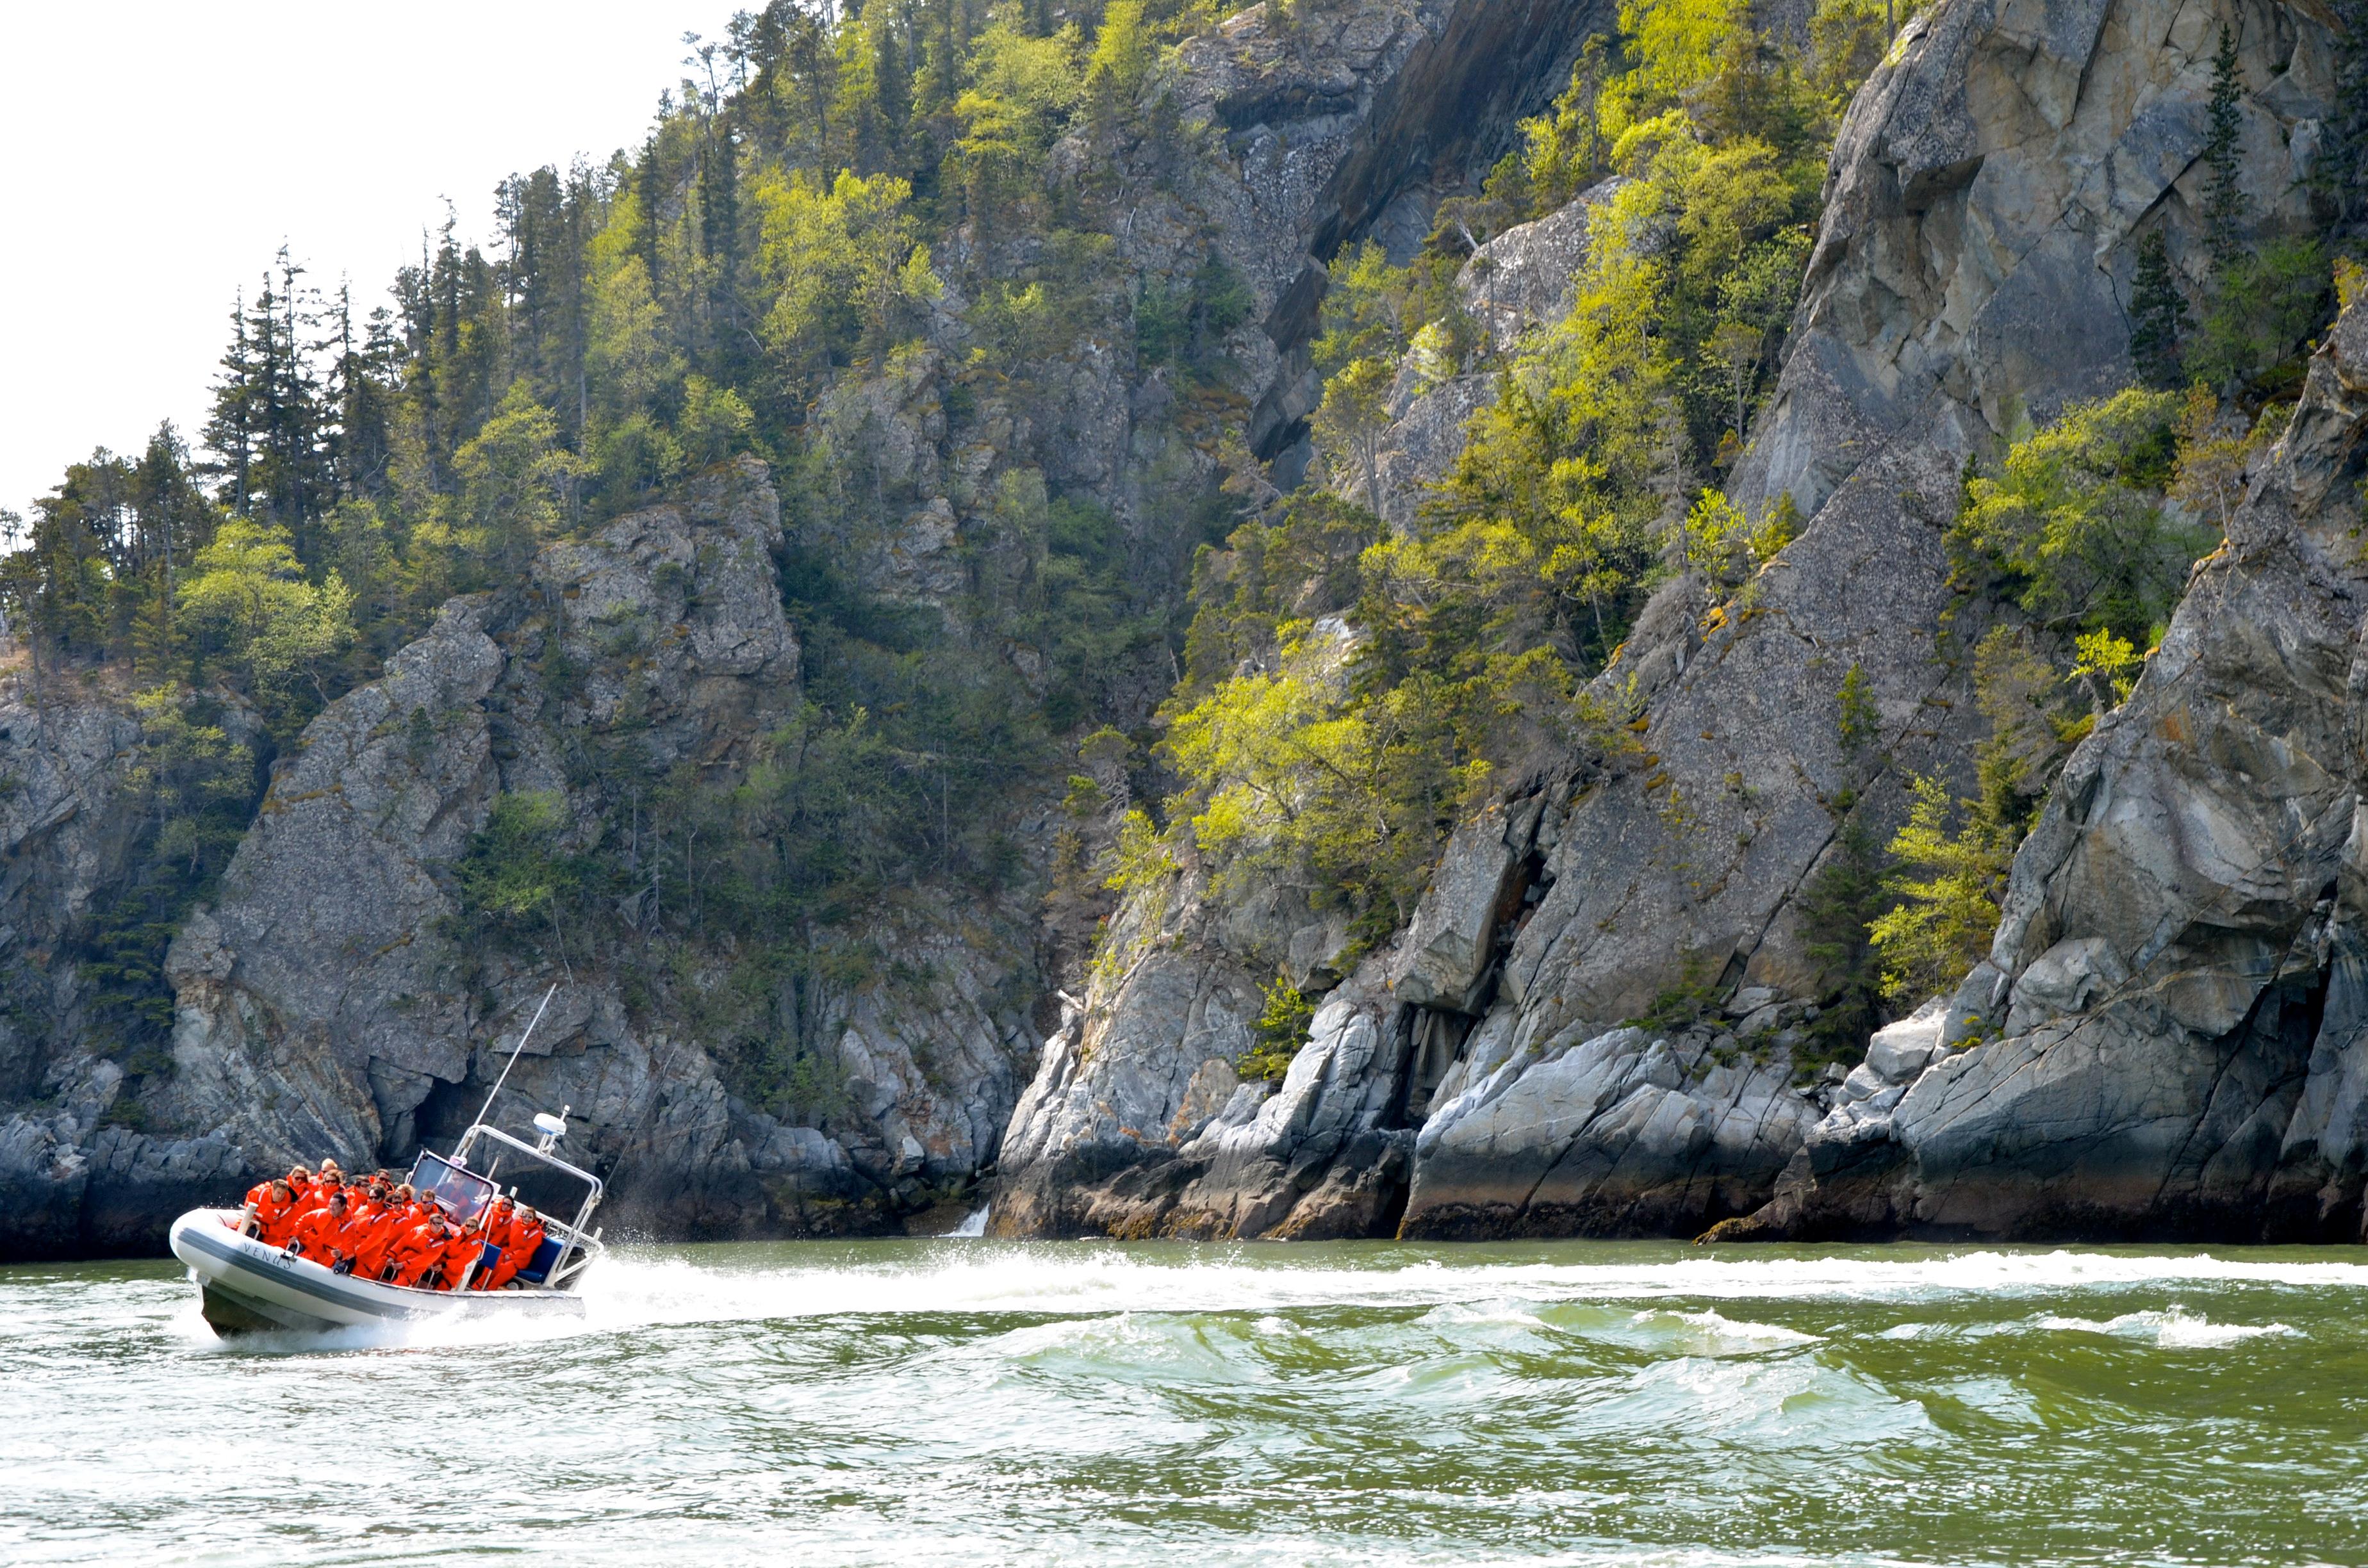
x: 549, y: 1125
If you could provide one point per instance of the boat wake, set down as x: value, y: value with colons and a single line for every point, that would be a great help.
x: 1068, y: 1279
x: 636, y: 1289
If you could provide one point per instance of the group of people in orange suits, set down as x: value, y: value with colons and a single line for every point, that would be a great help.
x: 378, y: 1228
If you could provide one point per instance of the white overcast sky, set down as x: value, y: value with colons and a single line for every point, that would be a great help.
x: 158, y: 151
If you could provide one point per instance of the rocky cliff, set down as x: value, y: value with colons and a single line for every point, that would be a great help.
x: 2164, y: 1038
x: 331, y: 996
x: 2170, y: 1036
x: 1970, y: 273
x: 326, y: 1003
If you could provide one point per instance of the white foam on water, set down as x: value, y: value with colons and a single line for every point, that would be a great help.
x: 2175, y: 1329
x: 631, y: 1289
x: 1069, y: 1279
x: 1499, y: 1312
x: 1746, y: 1336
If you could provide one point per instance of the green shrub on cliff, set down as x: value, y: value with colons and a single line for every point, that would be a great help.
x: 2072, y: 526
x: 2090, y: 527
x: 516, y: 875
x: 1278, y: 1032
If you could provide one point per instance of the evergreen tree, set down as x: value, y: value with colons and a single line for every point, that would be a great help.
x: 174, y: 519
x: 2340, y: 173
x: 360, y: 393
x: 229, y: 428
x: 650, y: 186
x: 291, y: 483
x: 2226, y: 214
x: 2158, y: 315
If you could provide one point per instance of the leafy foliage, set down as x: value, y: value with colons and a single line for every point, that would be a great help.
x: 1279, y: 1030
x: 2072, y: 528
x: 2090, y: 526
x: 1950, y: 882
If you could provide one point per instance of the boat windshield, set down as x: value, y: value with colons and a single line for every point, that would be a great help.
x: 461, y: 1191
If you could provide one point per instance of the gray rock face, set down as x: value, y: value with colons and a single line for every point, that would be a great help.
x: 1618, y: 1135
x: 1985, y: 193
x: 2187, y: 1035
x: 1981, y: 213
x: 1124, y: 1082
x: 1983, y: 206
x: 1986, y: 189
x: 1328, y: 121
x: 1317, y: 1158
x: 1450, y: 947
x: 1899, y: 1051
x: 69, y: 814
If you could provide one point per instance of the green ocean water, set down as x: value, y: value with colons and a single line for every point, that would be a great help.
x: 913, y: 1404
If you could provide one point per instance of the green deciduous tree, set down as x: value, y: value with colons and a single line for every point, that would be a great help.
x: 1949, y: 883
x: 247, y: 605
x: 514, y: 481
x: 2072, y: 528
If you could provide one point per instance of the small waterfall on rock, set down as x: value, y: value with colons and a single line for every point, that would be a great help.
x: 973, y: 1225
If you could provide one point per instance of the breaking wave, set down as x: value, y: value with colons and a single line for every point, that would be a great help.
x: 2176, y: 1329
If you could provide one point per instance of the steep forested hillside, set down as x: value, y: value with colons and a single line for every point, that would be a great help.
x: 824, y: 188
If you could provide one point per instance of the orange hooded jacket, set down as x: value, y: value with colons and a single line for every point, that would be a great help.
x: 423, y: 1248
x: 274, y: 1218
x: 324, y: 1233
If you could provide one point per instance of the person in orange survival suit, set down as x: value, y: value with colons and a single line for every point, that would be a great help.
x: 525, y: 1234
x: 420, y: 1256
x: 321, y: 1234
x: 254, y: 1196
x: 270, y: 1217
x: 375, y: 1239
x: 493, y: 1228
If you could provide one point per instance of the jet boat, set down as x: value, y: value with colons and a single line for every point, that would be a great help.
x: 245, y: 1286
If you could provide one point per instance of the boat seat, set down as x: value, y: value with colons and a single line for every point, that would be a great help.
x: 537, y: 1268
x: 488, y: 1255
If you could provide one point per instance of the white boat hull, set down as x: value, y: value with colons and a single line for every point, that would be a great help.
x: 246, y: 1287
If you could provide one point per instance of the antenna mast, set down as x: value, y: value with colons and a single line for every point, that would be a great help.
x: 524, y: 1036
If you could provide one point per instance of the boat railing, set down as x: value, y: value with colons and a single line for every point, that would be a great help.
x: 578, y: 1246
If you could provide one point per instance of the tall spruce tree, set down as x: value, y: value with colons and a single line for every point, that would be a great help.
x: 230, y: 427
x: 2227, y: 214
x: 2340, y: 173
x: 2158, y: 315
